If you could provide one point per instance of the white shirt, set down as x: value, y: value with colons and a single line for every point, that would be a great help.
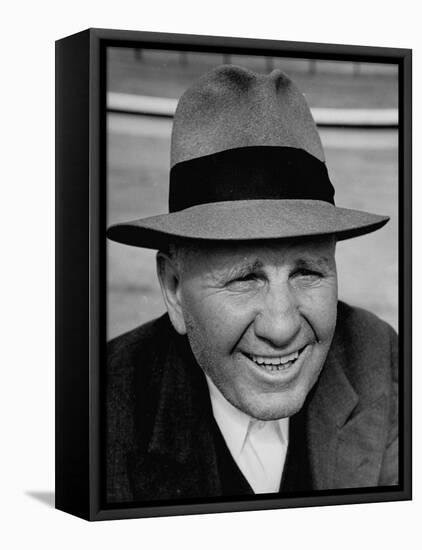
x: 258, y: 447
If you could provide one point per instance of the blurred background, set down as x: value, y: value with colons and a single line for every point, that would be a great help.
x: 355, y: 106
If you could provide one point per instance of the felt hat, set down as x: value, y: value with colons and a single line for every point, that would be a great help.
x: 246, y: 163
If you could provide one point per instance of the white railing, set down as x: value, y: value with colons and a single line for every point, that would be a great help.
x: 165, y: 107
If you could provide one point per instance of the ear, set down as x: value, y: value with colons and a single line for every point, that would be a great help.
x: 169, y: 277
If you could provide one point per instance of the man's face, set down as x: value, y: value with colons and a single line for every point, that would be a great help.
x: 260, y: 318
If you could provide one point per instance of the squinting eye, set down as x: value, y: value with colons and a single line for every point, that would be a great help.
x: 249, y: 277
x: 242, y: 281
x: 307, y: 274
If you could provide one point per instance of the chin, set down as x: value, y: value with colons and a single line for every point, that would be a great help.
x: 273, y: 407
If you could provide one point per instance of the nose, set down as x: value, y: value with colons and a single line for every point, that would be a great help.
x: 278, y: 320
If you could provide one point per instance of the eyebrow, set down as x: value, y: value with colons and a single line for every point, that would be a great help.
x: 321, y: 262
x: 244, y: 268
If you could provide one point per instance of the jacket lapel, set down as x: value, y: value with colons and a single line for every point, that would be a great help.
x: 345, y: 438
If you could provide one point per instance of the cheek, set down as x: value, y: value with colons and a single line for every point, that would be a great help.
x: 215, y: 322
x: 319, y: 308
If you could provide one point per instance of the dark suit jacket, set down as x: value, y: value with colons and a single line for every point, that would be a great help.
x: 160, y: 433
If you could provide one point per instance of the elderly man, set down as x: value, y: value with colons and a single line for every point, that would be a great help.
x: 257, y: 380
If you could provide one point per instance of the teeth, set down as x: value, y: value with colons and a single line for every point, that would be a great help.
x: 275, y: 361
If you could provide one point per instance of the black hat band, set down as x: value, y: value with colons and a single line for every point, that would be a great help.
x: 249, y: 173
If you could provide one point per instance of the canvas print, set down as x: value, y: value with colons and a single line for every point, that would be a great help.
x: 252, y: 277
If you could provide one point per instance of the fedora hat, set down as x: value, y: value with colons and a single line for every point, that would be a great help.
x: 246, y: 163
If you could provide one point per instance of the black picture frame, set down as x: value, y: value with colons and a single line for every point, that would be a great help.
x: 81, y: 266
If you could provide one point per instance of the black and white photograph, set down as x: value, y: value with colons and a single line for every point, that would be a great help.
x: 210, y: 264
x: 252, y: 278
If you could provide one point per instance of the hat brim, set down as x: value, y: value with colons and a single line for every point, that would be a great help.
x: 247, y: 220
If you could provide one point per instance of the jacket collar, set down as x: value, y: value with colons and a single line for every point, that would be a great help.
x: 184, y: 406
x: 334, y: 398
x: 174, y: 456
x: 344, y: 437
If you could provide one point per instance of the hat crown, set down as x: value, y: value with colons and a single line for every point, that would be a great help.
x: 231, y: 107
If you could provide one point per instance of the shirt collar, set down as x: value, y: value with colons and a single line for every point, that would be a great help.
x: 233, y: 423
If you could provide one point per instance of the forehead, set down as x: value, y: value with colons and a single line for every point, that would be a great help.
x: 276, y: 252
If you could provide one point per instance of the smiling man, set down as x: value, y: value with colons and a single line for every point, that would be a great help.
x: 259, y: 317
x: 257, y: 380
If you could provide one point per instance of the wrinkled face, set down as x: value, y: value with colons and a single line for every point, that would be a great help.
x: 260, y: 318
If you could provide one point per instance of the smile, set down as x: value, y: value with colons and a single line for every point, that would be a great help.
x: 276, y: 363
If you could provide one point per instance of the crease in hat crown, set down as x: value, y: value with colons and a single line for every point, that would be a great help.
x: 246, y: 162
x: 231, y: 107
